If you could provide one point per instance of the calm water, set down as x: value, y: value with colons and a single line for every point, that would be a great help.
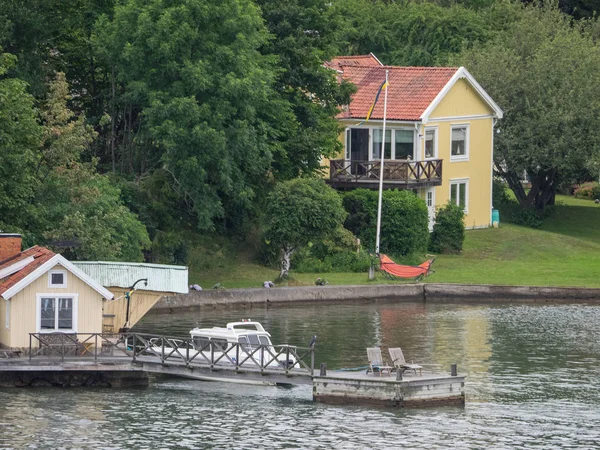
x: 533, y: 382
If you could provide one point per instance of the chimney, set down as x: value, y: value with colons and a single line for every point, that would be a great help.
x: 10, y: 245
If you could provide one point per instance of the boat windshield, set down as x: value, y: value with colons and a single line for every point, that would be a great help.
x: 253, y: 340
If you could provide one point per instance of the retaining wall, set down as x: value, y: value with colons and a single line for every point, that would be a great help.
x: 375, y: 292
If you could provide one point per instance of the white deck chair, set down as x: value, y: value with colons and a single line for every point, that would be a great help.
x: 400, y: 363
x: 376, y: 362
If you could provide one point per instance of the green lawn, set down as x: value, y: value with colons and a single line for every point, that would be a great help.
x: 564, y: 252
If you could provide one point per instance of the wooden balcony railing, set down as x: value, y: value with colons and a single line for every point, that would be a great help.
x: 396, y: 173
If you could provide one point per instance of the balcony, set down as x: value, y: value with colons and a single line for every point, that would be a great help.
x: 397, y: 174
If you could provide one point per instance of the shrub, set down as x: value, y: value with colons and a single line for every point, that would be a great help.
x: 527, y: 218
x: 404, y: 220
x: 499, y: 194
x: 589, y: 190
x: 449, y: 230
x: 332, y: 255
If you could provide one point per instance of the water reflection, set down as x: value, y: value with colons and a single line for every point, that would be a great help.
x: 532, y: 383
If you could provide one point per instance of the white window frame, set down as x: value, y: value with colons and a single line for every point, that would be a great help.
x: 7, y: 314
x: 393, y: 141
x: 464, y: 157
x: 56, y: 296
x: 457, y: 182
x: 435, y: 142
x: 348, y: 138
x: 63, y: 284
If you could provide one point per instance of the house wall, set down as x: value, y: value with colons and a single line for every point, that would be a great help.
x: 4, y: 332
x: 24, y: 307
x: 463, y: 105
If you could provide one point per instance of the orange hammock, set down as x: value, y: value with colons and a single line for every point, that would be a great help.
x: 392, y: 270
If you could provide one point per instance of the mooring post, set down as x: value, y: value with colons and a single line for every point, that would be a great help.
x: 323, y: 371
x: 398, y: 374
x: 453, y: 370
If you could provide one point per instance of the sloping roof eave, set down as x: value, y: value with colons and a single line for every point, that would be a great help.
x: 45, y: 267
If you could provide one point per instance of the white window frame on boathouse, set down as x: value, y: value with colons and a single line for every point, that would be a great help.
x: 51, y: 283
x: 56, y: 298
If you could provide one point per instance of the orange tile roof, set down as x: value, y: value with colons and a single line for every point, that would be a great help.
x: 411, y: 90
x: 357, y: 60
x: 40, y: 256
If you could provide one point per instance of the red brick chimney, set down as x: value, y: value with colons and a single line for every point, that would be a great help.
x: 10, y: 245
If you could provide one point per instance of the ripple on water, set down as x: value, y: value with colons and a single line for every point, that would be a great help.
x: 532, y: 382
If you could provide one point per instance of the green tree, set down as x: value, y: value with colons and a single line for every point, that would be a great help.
x: 544, y: 71
x: 409, y: 33
x: 192, y: 73
x: 76, y: 208
x: 20, y: 136
x: 303, y: 37
x: 300, y: 211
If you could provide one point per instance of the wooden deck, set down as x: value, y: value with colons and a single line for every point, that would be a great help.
x: 397, y: 174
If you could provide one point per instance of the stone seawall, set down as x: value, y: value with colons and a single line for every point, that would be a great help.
x: 375, y: 292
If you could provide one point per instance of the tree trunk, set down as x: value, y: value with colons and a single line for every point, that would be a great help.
x: 286, y: 255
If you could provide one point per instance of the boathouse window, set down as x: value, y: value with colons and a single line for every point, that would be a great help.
x: 57, y: 279
x: 459, y: 193
x: 459, y: 146
x: 57, y: 313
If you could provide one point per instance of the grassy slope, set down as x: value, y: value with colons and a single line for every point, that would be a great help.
x: 565, y: 252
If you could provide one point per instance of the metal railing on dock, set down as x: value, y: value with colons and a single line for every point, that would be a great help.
x: 236, y: 356
x: 166, y: 350
x: 79, y: 345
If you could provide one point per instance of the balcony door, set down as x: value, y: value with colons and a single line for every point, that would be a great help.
x: 359, y: 149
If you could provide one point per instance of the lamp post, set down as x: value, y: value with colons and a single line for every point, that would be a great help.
x: 128, y: 297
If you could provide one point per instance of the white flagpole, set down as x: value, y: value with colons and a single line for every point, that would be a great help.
x: 381, y: 165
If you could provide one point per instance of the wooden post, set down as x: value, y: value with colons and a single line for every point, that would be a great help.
x: 323, y: 371
x: 453, y: 370
x: 95, y: 346
x: 398, y: 374
x: 29, y: 346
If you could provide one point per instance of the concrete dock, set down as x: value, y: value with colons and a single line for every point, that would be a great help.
x: 354, y: 388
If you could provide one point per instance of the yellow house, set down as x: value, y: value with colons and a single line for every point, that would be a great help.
x: 43, y: 292
x: 438, y: 141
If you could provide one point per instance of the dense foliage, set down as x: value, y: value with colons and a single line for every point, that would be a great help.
x: 448, y: 233
x: 404, y: 223
x: 339, y: 252
x: 298, y: 212
x: 543, y: 70
x: 176, y: 117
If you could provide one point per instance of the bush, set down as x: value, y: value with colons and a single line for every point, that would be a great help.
x: 449, y: 230
x: 404, y: 220
x: 527, y: 218
x: 499, y: 193
x: 589, y: 191
x: 337, y: 253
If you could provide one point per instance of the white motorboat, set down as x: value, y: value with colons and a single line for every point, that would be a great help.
x: 245, y: 345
